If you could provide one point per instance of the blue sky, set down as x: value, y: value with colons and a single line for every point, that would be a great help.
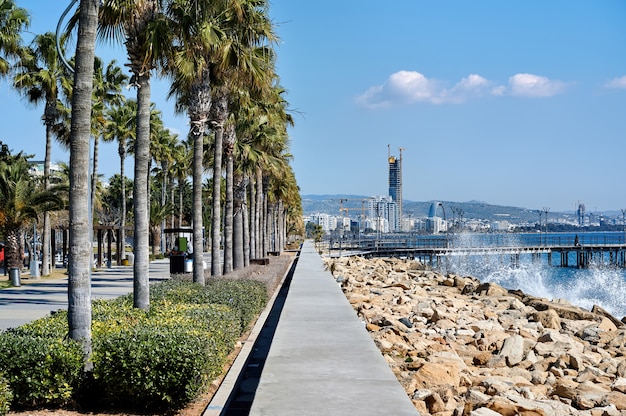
x: 509, y: 102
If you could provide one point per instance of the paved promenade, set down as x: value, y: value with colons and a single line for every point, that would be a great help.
x: 22, y: 304
x: 322, y: 361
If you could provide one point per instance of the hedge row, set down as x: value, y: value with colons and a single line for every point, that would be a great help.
x: 159, y: 359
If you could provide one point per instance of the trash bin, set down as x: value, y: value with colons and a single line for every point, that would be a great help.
x: 188, y: 265
x: 14, y: 276
x: 177, y: 264
x: 131, y: 258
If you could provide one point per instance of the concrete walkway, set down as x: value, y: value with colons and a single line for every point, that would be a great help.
x: 23, y: 304
x: 322, y: 361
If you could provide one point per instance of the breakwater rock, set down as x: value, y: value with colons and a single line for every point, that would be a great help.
x: 462, y: 347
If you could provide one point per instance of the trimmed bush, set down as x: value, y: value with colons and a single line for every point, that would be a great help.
x: 246, y: 297
x: 6, y: 396
x: 41, y: 370
x: 164, y: 358
x: 159, y: 359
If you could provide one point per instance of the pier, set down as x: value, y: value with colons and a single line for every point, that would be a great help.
x: 561, y: 251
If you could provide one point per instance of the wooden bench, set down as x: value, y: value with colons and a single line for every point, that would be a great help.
x: 263, y: 262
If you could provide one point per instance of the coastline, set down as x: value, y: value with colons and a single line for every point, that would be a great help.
x: 462, y: 347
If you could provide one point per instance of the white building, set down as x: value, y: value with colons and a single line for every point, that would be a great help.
x: 383, y: 207
x: 327, y: 222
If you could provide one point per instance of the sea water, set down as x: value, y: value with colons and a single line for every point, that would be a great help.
x: 600, y: 284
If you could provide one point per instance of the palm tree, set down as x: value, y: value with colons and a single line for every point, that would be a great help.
x: 145, y: 38
x: 163, y: 145
x: 158, y: 213
x: 39, y: 77
x: 181, y: 170
x: 250, y: 67
x: 198, y: 28
x: 107, y: 92
x: 13, y: 20
x: 79, y: 268
x: 20, y: 203
x: 121, y: 127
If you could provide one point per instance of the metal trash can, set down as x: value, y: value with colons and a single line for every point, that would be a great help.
x: 14, y: 276
x: 188, y: 265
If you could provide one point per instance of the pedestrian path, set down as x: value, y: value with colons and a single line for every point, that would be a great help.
x: 321, y: 360
x: 23, y: 304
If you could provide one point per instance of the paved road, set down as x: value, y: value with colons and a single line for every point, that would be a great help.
x: 19, y: 305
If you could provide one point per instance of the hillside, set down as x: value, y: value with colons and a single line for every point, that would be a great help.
x: 330, y: 204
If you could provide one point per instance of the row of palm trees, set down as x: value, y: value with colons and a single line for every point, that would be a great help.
x: 219, y: 57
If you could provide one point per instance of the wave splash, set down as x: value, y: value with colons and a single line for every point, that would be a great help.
x: 597, y: 285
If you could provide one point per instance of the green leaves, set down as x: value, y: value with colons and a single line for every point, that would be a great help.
x: 159, y: 359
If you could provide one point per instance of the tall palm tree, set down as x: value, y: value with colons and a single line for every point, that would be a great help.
x: 13, y: 20
x: 163, y: 145
x: 198, y: 27
x: 107, y: 92
x: 21, y: 202
x: 79, y: 268
x: 39, y: 76
x: 145, y: 37
x: 250, y: 66
x: 181, y: 170
x: 121, y: 127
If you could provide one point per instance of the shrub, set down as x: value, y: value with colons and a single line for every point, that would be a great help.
x: 5, y: 395
x: 164, y: 358
x: 41, y: 370
x: 246, y: 297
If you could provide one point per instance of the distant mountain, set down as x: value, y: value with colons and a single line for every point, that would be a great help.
x: 330, y: 204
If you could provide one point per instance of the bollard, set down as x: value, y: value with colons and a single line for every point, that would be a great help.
x: 14, y: 276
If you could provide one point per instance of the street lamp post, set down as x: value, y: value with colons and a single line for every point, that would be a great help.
x: 623, y: 225
x: 546, y: 210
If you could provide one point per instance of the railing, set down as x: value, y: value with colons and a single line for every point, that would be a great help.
x: 481, y: 241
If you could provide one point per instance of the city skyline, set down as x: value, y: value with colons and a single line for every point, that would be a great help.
x: 516, y: 104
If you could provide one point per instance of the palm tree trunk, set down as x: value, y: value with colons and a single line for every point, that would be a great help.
x: 229, y: 143
x: 80, y: 256
x: 198, y: 249
x: 259, y: 214
x: 266, y: 217
x: 180, y: 202
x: 141, y: 201
x: 239, y: 195
x: 13, y: 251
x: 221, y: 109
x: 252, y: 219
x: 45, y: 238
x: 122, y: 244
x: 94, y: 175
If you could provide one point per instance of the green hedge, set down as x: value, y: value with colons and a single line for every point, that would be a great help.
x: 164, y: 358
x: 246, y: 297
x: 41, y: 370
x: 159, y: 359
x: 6, y: 396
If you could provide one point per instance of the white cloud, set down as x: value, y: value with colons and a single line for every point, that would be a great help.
x: 529, y: 85
x: 619, y: 82
x: 407, y: 87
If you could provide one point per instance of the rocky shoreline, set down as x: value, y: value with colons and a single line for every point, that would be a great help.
x: 462, y: 347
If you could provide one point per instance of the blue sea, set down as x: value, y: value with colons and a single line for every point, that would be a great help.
x: 600, y: 284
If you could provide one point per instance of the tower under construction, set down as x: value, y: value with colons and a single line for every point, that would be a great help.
x: 395, y: 183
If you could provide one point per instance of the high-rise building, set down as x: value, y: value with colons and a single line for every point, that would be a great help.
x: 383, y: 210
x: 395, y: 182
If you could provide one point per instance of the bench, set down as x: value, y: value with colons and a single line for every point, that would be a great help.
x: 263, y: 262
